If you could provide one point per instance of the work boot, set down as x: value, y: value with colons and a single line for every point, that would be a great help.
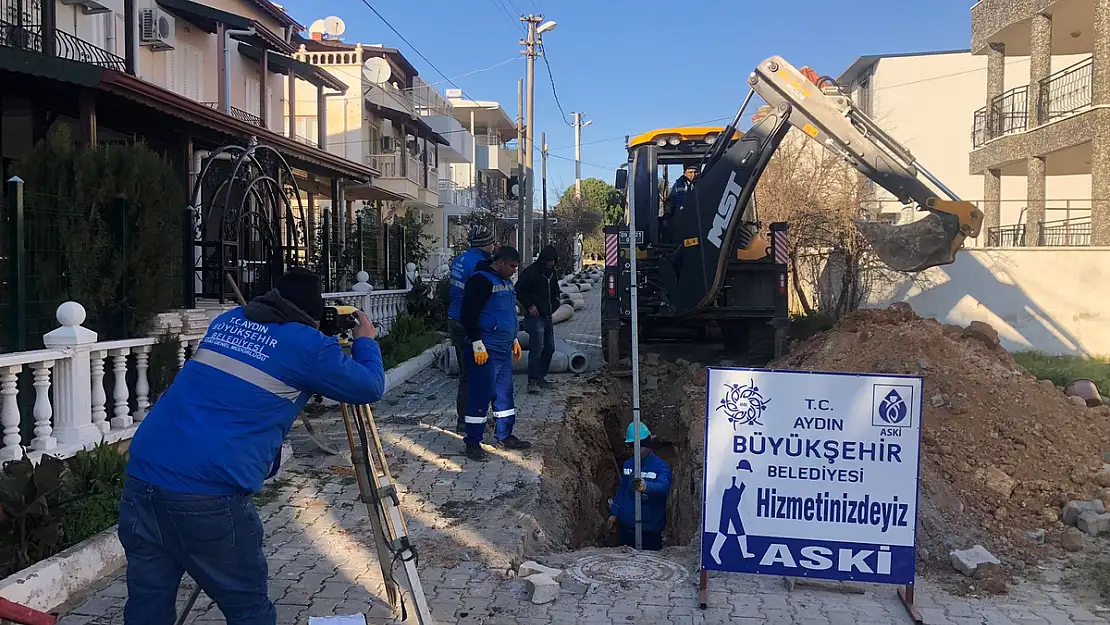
x: 534, y: 386
x: 512, y: 442
x: 476, y: 453
x: 546, y: 384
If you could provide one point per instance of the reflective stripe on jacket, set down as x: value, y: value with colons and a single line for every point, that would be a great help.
x: 653, y: 503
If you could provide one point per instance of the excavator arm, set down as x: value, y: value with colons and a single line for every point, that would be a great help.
x: 831, y: 119
x: 717, y: 210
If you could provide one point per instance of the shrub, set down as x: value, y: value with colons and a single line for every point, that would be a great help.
x: 429, y: 301
x: 1063, y: 370
x: 55, y: 504
x: 407, y: 338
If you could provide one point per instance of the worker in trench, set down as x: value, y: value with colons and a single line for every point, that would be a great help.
x: 654, y: 486
x: 489, y: 319
x: 538, y: 293
x: 215, y: 436
x: 482, y: 244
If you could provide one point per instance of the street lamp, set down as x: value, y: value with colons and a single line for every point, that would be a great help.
x: 547, y: 26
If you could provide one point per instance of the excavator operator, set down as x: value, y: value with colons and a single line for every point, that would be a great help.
x: 674, y: 202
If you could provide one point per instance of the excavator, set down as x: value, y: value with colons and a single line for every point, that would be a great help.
x: 706, y: 266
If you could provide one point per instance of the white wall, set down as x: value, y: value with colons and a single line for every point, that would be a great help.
x: 1037, y: 298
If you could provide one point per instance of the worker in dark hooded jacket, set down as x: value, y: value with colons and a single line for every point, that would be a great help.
x: 213, y: 438
x: 537, y: 290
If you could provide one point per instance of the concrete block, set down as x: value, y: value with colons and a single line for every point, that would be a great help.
x: 532, y: 567
x: 1093, y: 523
x: 968, y: 561
x: 544, y: 589
x: 1074, y: 508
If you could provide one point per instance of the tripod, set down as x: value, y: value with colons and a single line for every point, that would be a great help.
x: 379, y: 493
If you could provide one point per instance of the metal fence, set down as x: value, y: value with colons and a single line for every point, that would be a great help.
x: 1006, y: 113
x: 21, y: 27
x: 1066, y: 91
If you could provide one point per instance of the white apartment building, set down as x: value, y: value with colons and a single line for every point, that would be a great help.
x: 929, y: 102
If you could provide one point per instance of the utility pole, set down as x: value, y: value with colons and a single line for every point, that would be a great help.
x: 543, y: 178
x: 578, y: 126
x: 533, y: 47
x: 520, y: 168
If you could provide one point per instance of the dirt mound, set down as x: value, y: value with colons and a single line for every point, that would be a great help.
x: 1002, y: 451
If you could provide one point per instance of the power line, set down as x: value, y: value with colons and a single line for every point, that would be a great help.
x: 414, y: 48
x: 551, y: 79
x: 507, y: 14
x: 564, y: 158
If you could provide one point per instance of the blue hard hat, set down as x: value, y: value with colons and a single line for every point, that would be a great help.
x: 744, y: 466
x: 644, y: 432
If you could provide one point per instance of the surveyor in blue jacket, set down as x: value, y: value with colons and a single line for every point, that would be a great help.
x: 212, y: 439
x: 489, y: 318
x: 481, y: 241
x: 654, y: 486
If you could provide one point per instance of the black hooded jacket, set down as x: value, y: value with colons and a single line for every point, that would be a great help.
x: 538, y: 286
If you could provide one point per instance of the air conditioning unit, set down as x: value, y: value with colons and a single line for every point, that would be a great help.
x: 389, y: 145
x: 157, y: 30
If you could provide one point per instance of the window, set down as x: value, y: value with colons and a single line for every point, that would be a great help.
x: 864, y: 92
x: 253, y: 94
x: 307, y: 128
x: 185, y: 71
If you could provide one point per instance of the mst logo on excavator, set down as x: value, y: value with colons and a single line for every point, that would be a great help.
x: 725, y: 208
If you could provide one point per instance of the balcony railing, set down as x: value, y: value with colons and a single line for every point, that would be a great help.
x: 32, y: 38
x: 452, y: 193
x: 1006, y: 236
x: 1066, y: 232
x: 1007, y: 113
x: 1066, y: 91
x: 237, y: 113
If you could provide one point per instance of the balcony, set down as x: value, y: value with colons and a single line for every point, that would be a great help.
x: 1006, y: 114
x: 238, y: 114
x: 455, y: 196
x: 387, y: 96
x: 492, y: 156
x: 1072, y: 230
x: 23, y: 35
x: 405, y: 175
x: 1066, y: 92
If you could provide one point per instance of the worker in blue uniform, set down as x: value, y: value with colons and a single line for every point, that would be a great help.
x: 481, y: 241
x: 213, y: 438
x: 489, y: 319
x: 654, y: 486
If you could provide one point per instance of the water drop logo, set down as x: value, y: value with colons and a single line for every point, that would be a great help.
x: 893, y: 409
x: 743, y: 404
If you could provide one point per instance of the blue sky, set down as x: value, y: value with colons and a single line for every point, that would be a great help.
x: 636, y: 65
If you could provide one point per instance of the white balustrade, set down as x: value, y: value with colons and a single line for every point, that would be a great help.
x: 382, y: 307
x: 43, y: 411
x: 41, y: 363
x: 99, y: 415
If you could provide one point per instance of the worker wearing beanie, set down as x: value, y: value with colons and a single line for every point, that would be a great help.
x: 462, y: 267
x: 215, y: 436
x: 654, y: 487
x: 489, y: 318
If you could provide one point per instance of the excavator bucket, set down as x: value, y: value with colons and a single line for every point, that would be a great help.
x: 927, y: 242
x: 930, y: 241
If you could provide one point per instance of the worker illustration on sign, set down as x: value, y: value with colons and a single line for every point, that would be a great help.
x: 731, y: 523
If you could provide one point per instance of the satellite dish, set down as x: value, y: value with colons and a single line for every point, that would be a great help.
x: 318, y: 27
x: 334, y: 26
x: 376, y: 70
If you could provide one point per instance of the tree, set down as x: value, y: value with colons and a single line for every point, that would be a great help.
x: 585, y: 215
x: 820, y: 196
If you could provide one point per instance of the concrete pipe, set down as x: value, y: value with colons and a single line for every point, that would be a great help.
x: 576, y: 360
x: 578, y: 304
x: 563, y: 313
x: 570, y: 288
x: 585, y: 286
x: 560, y: 363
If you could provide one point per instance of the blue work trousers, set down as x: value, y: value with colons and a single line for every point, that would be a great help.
x: 491, y: 382
x: 216, y: 539
x: 541, y: 346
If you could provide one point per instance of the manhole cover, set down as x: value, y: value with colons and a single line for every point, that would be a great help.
x: 621, y: 568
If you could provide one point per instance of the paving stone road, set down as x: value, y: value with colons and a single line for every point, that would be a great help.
x: 470, y: 519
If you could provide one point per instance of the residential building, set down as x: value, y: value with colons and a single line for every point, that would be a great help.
x: 900, y: 92
x: 187, y: 77
x: 487, y: 179
x: 1046, y: 119
x: 383, y: 121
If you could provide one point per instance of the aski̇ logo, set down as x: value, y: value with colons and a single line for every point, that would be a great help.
x: 817, y: 558
x: 891, y: 406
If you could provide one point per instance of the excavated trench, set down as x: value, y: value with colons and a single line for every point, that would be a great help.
x: 583, y: 471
